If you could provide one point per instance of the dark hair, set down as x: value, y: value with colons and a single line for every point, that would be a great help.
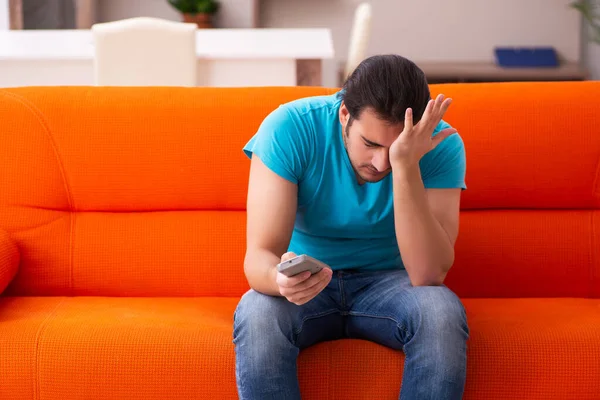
x: 388, y: 84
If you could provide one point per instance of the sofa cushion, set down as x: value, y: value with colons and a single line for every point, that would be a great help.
x: 104, y: 188
x: 9, y: 259
x: 181, y: 348
x: 499, y: 253
x: 529, y: 144
x: 527, y: 253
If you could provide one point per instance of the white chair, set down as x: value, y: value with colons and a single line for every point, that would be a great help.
x: 145, y: 52
x: 359, y: 38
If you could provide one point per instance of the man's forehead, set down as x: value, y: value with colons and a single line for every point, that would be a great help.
x: 373, y: 125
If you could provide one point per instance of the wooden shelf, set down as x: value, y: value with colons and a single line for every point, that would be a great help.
x: 489, y: 72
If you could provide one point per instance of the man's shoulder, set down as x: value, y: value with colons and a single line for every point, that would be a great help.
x: 452, y: 143
x: 445, y: 165
x: 441, y: 126
x: 313, y: 106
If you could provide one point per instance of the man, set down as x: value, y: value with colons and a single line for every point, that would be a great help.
x: 367, y: 181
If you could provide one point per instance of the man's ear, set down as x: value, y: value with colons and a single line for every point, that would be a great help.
x: 344, y: 114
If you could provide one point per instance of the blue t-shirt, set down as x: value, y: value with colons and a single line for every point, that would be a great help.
x: 338, y: 221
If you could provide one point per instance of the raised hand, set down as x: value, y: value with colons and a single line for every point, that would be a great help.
x: 416, y: 140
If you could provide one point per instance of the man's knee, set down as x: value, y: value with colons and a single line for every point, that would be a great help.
x: 259, y: 316
x: 442, y: 333
x: 440, y: 311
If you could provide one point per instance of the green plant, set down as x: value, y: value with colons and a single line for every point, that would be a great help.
x: 195, y: 6
x: 588, y: 8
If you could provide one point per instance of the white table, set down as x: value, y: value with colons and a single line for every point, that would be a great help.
x: 226, y: 57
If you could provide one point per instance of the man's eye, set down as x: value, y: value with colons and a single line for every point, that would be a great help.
x: 369, y: 145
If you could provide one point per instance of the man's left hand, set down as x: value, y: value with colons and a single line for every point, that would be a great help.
x: 416, y: 140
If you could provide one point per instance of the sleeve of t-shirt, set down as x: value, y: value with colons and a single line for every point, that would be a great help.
x: 445, y: 166
x: 281, y: 145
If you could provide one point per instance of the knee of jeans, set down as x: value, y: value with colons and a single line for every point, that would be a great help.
x: 441, y: 311
x: 258, y: 315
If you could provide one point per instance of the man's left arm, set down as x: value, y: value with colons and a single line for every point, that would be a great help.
x: 426, y: 222
x: 426, y: 214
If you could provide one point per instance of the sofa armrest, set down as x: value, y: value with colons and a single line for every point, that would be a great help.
x: 9, y: 259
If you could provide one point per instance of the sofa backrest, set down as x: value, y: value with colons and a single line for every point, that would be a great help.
x: 141, y: 191
x: 530, y: 225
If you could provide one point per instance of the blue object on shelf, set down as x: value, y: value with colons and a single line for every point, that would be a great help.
x: 526, y: 57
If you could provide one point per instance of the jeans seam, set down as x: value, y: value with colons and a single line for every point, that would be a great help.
x: 342, y: 296
x: 380, y: 316
x: 319, y: 315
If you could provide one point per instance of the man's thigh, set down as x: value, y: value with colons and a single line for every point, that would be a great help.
x: 304, y: 325
x: 388, y: 310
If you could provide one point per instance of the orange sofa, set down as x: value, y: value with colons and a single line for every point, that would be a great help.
x: 122, y: 235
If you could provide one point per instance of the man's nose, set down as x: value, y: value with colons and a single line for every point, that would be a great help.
x: 381, y: 161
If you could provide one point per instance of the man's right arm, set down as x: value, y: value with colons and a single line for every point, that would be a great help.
x: 271, y: 212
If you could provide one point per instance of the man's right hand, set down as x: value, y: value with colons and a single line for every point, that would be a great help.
x: 300, y: 289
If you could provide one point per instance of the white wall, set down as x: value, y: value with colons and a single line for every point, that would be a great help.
x: 434, y: 30
x: 232, y: 14
x: 112, y: 10
x: 399, y: 26
x: 423, y: 30
x: 4, y: 15
x: 591, y: 51
x: 592, y: 60
x: 238, y: 14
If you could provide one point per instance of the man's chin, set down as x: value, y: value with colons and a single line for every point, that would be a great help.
x: 373, y: 178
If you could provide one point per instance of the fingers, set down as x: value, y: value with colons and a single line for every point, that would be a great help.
x: 435, y: 110
x: 437, y: 139
x: 408, y: 120
x: 428, y: 111
x: 298, y: 282
x: 441, y: 105
x: 444, y: 107
x: 288, y: 256
x: 291, y: 281
x: 305, y: 296
x: 285, y: 281
x: 322, y: 279
x: 308, y: 289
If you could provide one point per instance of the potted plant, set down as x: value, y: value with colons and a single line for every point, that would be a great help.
x: 197, y: 11
x: 592, y: 16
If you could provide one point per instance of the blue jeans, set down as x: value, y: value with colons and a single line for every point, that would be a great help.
x: 428, y: 323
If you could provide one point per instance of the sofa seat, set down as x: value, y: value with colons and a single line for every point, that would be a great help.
x: 181, y: 348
